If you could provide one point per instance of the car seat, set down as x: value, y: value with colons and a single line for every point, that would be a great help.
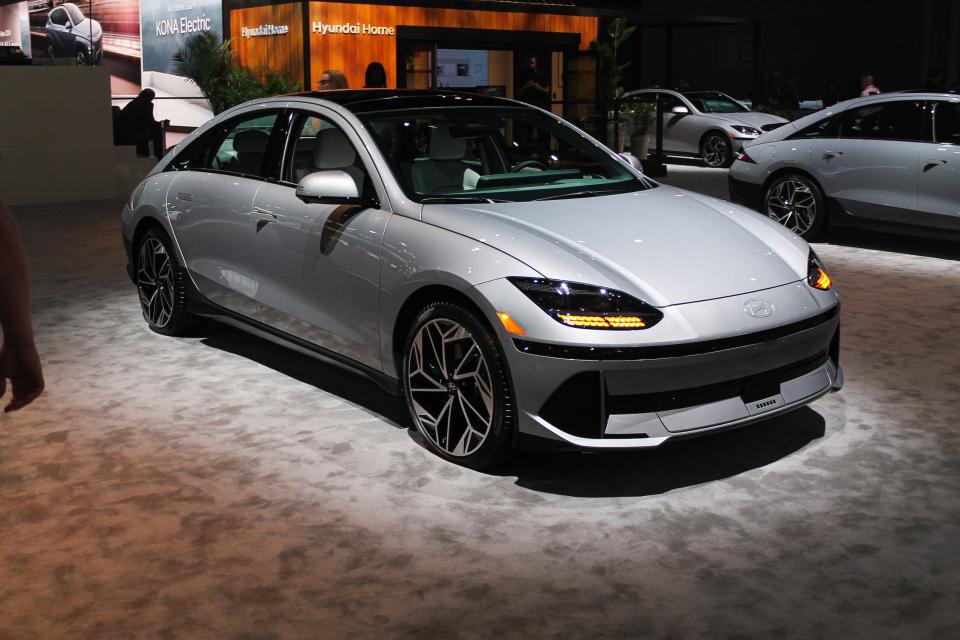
x: 444, y: 168
x: 250, y: 146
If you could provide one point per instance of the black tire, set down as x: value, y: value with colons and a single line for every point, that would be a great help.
x: 164, y: 304
x: 81, y: 58
x: 439, y: 387
x: 786, y: 200
x: 716, y: 151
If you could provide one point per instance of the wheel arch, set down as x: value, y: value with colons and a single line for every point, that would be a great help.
x: 713, y: 129
x: 412, y: 306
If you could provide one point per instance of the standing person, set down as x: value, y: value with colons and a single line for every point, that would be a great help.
x: 867, y: 88
x: 138, y: 127
x: 536, y: 88
x: 332, y: 79
x: 375, y: 76
x: 19, y: 361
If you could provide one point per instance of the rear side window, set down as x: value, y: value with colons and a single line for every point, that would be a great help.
x: 946, y: 122
x: 237, y: 146
x: 897, y: 120
x: 826, y: 128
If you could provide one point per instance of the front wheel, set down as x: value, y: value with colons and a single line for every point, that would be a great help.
x: 797, y: 203
x: 716, y: 152
x: 161, y: 286
x: 456, y: 386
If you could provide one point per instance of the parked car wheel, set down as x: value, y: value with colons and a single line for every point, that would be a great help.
x: 161, y: 285
x: 81, y: 58
x: 715, y: 150
x: 797, y: 203
x: 456, y: 386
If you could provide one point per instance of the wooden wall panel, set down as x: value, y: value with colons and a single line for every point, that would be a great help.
x: 275, y: 51
x: 352, y: 52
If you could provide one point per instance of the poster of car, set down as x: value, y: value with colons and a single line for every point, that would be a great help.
x: 93, y: 32
x: 15, y: 27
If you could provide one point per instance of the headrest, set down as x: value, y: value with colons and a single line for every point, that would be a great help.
x: 333, y: 150
x: 444, y: 146
x: 250, y: 141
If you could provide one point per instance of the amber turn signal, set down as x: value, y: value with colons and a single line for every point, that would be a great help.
x: 510, y: 324
x: 823, y: 281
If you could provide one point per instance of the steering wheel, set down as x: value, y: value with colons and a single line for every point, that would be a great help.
x: 528, y: 163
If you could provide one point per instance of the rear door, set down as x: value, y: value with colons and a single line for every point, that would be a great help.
x: 940, y: 168
x: 210, y: 206
x: 871, y: 167
x: 318, y: 265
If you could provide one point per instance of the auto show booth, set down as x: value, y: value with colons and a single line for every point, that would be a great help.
x: 479, y: 46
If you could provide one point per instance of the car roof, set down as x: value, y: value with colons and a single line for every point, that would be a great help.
x: 366, y: 100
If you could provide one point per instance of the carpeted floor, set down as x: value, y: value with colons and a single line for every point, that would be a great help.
x: 221, y: 487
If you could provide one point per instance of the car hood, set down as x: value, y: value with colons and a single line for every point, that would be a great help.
x: 751, y: 118
x: 83, y: 30
x: 664, y: 245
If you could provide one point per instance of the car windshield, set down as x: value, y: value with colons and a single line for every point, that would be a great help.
x: 495, y: 154
x: 74, y: 12
x: 714, y: 102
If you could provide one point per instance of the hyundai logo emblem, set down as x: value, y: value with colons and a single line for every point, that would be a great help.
x: 758, y: 308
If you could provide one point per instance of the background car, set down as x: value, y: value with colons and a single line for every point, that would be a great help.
x: 70, y: 34
x: 706, y: 124
x: 515, y: 281
x: 889, y: 158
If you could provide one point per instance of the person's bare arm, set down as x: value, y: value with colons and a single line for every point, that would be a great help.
x: 19, y: 360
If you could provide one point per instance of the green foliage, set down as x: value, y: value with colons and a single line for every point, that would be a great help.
x: 609, y: 52
x: 639, y: 115
x: 210, y: 64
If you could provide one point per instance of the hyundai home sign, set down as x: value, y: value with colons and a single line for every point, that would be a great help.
x: 265, y: 30
x: 353, y: 28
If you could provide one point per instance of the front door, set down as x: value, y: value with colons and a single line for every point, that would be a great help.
x: 210, y: 205
x: 318, y: 265
x: 871, y: 167
x: 940, y: 169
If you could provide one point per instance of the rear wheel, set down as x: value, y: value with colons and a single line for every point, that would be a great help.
x: 161, y: 286
x: 797, y: 203
x: 715, y: 150
x: 456, y: 386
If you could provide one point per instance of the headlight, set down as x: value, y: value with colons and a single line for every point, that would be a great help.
x: 817, y: 274
x: 747, y: 131
x: 588, y: 307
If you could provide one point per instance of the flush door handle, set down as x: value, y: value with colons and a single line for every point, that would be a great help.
x: 188, y: 197
x: 831, y: 154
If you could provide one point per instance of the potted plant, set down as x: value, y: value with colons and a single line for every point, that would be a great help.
x: 637, y: 117
x: 609, y: 53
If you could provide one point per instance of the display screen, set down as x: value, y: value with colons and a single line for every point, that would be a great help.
x: 462, y: 67
x: 15, y: 27
x: 167, y: 24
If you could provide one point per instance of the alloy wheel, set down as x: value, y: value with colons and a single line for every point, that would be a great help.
x: 715, y: 151
x: 792, y: 203
x: 155, y: 282
x: 81, y: 59
x: 450, y: 387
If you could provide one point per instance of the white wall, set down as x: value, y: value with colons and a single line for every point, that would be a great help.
x: 56, y: 135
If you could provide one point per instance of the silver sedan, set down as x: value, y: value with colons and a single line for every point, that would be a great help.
x: 706, y: 124
x: 890, y: 159
x: 516, y: 282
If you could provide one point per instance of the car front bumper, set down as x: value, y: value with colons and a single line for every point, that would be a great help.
x: 609, y: 397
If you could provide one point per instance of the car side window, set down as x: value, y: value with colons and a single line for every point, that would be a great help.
x: 896, y: 120
x: 240, y: 145
x: 317, y: 144
x: 946, y: 122
x: 59, y: 17
x: 826, y: 128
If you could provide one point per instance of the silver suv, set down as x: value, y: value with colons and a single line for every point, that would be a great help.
x: 706, y: 124
x: 890, y: 158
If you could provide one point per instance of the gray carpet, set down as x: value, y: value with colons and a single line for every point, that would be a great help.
x: 220, y: 487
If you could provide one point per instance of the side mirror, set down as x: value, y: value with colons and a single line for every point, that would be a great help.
x: 680, y: 110
x: 329, y: 187
x: 633, y: 161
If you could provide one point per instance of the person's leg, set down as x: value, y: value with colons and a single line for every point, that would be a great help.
x: 158, y: 140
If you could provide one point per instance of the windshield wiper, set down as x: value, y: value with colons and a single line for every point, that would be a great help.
x: 580, y: 194
x: 462, y: 199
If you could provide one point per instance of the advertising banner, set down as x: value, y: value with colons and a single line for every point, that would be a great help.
x: 166, y: 25
x: 15, y: 27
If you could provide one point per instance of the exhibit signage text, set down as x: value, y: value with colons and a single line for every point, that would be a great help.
x: 353, y: 28
x: 265, y: 30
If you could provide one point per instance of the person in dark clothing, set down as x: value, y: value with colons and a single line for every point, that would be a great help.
x: 19, y: 361
x: 375, y: 76
x: 536, y: 88
x: 138, y: 127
